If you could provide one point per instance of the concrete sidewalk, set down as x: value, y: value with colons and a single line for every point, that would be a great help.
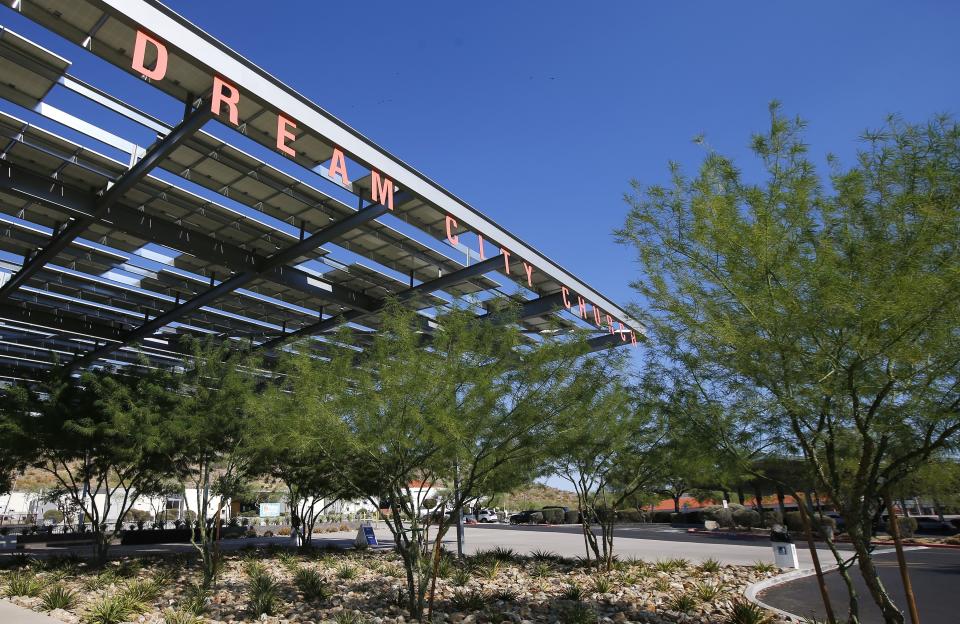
x: 12, y: 614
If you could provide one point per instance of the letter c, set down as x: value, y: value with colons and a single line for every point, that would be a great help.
x: 452, y: 225
x: 565, y: 294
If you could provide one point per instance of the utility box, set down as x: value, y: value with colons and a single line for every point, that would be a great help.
x: 784, y: 550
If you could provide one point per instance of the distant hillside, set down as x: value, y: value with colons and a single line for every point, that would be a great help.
x: 535, y: 496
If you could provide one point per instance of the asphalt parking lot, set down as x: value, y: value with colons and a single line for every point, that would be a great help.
x: 934, y: 574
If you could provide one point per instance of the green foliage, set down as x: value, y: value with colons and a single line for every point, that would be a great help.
x: 817, y: 310
x: 145, y: 590
x: 541, y: 569
x: 113, y: 610
x: 346, y: 572
x: 707, y: 592
x: 171, y: 616
x: 350, y: 617
x: 264, y: 595
x: 682, y: 603
x: 710, y: 565
x: 763, y: 567
x: 58, y: 597
x: 504, y: 595
x: 906, y: 524
x: 463, y: 600
x: 460, y: 577
x: 311, y: 584
x: 744, y: 612
x: 579, y: 613
x: 23, y: 584
x: 573, y: 592
x: 195, y: 598
x: 602, y: 584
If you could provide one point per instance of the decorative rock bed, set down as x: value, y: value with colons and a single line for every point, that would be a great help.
x: 364, y: 587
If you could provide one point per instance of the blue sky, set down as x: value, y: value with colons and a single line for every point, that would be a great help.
x: 539, y: 118
x: 539, y: 114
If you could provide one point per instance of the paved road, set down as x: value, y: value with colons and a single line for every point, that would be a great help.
x: 934, y: 573
x: 12, y: 614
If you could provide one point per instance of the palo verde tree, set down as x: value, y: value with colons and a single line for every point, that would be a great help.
x: 465, y: 407
x: 604, y: 446
x: 834, y: 298
x: 213, y: 433
x: 98, y: 437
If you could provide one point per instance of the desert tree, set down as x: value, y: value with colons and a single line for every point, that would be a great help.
x: 98, y: 436
x: 835, y: 298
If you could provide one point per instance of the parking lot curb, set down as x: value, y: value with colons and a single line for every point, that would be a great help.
x: 751, y: 592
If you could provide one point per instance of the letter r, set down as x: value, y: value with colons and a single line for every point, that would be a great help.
x: 219, y: 98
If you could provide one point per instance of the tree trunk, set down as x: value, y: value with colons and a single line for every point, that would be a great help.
x: 781, y: 504
x: 891, y: 615
x: 758, y: 496
x: 741, y: 495
x: 676, y: 503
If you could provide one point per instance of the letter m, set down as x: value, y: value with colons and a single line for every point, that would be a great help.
x: 381, y: 189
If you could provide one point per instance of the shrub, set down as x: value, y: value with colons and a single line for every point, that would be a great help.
x: 310, y: 584
x: 543, y: 555
x: 707, y: 592
x: 179, y: 617
x: 541, y: 569
x: 764, y: 566
x: 460, y: 577
x: 602, y: 584
x: 346, y: 572
x: 504, y: 595
x: 793, y: 521
x: 573, y: 592
x: 500, y: 553
x: 536, y: 518
x: 710, y: 565
x: 743, y: 612
x: 630, y: 515
x: 553, y: 516
x: 142, y: 591
x: 661, y: 517
x: 58, y: 597
x: 113, y: 610
x: 748, y: 518
x: 23, y: 584
x: 53, y: 514
x: 195, y: 599
x: 571, y: 517
x: 468, y: 600
x: 681, y: 603
x: 579, y: 613
x: 907, y: 526
x: 264, y: 595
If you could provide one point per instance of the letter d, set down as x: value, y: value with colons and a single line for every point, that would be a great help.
x: 139, y: 57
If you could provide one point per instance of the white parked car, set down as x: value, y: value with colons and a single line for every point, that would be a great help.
x: 488, y: 515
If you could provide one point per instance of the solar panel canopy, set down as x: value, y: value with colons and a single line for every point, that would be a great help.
x: 112, y: 250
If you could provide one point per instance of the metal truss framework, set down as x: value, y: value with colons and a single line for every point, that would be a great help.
x: 118, y: 264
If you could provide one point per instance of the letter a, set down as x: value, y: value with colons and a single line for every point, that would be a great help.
x: 338, y: 165
x: 140, y: 56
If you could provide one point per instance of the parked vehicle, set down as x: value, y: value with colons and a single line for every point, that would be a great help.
x: 488, y: 515
x: 839, y: 522
x: 523, y: 517
x: 934, y: 526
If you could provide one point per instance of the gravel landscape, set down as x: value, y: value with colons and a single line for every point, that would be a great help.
x: 354, y: 587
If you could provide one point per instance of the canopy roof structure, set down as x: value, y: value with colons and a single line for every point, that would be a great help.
x: 113, y: 247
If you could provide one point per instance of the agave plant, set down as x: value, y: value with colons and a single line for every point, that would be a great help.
x: 23, y: 583
x: 310, y: 583
x: 468, y: 600
x: 264, y: 595
x: 682, y: 603
x: 743, y: 612
x: 58, y: 597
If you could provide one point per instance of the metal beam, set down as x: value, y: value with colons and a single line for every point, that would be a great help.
x: 128, y: 180
x: 541, y: 306
x: 480, y: 268
x: 238, y: 280
x: 42, y: 190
